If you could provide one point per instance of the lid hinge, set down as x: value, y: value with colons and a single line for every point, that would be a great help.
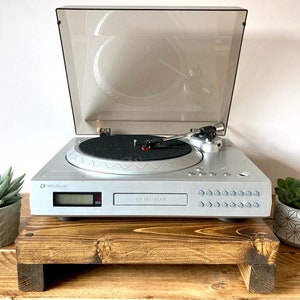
x: 104, y: 131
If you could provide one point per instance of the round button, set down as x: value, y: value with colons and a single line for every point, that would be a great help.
x: 217, y: 193
x: 192, y: 173
x: 240, y: 204
x: 209, y: 192
x: 201, y: 204
x: 233, y: 193
x: 248, y: 193
x: 201, y: 193
x: 216, y: 204
x: 224, y: 204
x: 202, y: 174
x: 232, y: 204
x: 248, y: 204
x: 256, y: 193
x: 209, y: 204
x: 241, y: 193
x: 256, y: 204
x: 212, y: 174
x: 225, y: 193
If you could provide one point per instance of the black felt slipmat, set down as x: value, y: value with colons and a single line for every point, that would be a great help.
x: 129, y: 148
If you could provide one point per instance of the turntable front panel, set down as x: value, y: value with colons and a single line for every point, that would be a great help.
x: 223, y: 184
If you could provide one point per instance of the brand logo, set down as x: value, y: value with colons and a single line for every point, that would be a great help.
x: 54, y: 186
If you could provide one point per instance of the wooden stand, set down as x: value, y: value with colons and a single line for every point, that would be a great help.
x: 249, y: 244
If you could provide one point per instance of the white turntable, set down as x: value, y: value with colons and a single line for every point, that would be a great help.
x: 153, y: 86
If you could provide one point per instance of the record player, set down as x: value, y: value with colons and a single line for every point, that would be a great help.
x: 151, y: 90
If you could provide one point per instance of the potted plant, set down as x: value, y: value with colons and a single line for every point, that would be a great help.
x: 10, y: 206
x: 287, y: 211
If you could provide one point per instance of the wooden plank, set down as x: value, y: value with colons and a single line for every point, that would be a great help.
x: 193, y: 282
x: 151, y: 281
x: 250, y: 244
x: 259, y: 269
x: 143, y: 241
x: 30, y: 278
x: 258, y: 278
x: 157, y: 282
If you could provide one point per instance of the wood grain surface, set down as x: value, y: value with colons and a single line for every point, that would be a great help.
x: 148, y: 281
x: 168, y: 241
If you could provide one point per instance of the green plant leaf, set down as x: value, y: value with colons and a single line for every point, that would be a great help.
x: 5, y: 182
x: 11, y: 194
x: 16, y: 183
x: 288, y: 191
x: 12, y: 200
x: 5, y: 174
x: 280, y: 182
x: 9, y: 189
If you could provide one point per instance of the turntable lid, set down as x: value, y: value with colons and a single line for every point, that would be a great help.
x: 157, y: 70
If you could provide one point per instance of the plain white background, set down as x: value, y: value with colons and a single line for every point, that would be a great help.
x: 36, y: 119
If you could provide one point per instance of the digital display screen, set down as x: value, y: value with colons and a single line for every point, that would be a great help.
x: 77, y: 199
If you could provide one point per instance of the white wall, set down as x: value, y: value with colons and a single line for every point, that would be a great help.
x: 36, y: 119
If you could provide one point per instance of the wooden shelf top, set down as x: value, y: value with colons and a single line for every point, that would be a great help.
x: 146, y: 281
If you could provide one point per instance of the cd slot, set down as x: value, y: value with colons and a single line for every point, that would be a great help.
x: 151, y: 199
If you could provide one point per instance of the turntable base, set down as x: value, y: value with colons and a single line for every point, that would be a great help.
x: 249, y: 244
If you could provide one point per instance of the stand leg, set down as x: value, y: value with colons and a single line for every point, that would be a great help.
x: 31, y: 278
x: 259, y: 278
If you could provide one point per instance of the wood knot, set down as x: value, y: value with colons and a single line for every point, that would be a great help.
x: 264, y: 249
x: 103, y: 248
x: 218, y: 285
x: 260, y: 236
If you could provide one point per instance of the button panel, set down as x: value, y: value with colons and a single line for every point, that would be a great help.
x: 218, y: 198
x: 212, y: 173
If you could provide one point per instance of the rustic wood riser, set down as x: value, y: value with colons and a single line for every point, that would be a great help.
x: 250, y: 244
